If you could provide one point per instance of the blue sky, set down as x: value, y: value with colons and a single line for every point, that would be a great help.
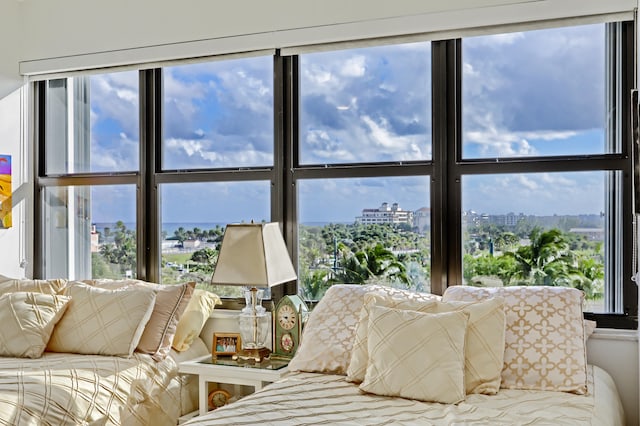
x: 524, y: 94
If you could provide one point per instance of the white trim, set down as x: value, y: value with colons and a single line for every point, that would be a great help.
x: 149, y: 65
x: 615, y: 334
x: 445, y: 24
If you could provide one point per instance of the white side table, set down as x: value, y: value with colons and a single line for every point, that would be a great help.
x: 225, y: 370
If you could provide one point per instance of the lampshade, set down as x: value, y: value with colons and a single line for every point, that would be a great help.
x: 253, y: 255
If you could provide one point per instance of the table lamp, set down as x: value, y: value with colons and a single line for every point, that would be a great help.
x: 253, y: 255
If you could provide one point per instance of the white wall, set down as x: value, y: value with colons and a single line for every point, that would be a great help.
x: 13, y: 240
x: 616, y: 351
x: 10, y: 46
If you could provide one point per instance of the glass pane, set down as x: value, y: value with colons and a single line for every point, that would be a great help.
x: 349, y: 233
x: 535, y: 93
x: 90, y: 232
x: 92, y: 124
x: 218, y: 114
x: 366, y: 105
x: 194, y: 216
x: 537, y: 229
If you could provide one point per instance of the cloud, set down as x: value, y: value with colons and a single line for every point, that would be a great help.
x: 535, y: 193
x: 546, y: 80
x: 373, y: 103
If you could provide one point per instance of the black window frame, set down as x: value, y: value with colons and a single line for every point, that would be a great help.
x: 445, y: 169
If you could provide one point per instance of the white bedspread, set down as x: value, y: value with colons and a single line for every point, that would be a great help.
x: 315, y: 399
x: 69, y: 389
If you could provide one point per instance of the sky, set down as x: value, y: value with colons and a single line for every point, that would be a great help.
x: 524, y: 94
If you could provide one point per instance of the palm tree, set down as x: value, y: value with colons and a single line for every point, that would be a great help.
x: 545, y: 261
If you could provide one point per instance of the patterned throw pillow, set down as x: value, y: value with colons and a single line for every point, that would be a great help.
x: 171, y: 302
x: 102, y: 322
x: 416, y: 355
x: 27, y: 322
x: 329, y: 334
x: 484, y: 347
x: 359, y: 355
x: 544, y: 336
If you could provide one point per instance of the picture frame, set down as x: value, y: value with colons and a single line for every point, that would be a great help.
x: 226, y: 344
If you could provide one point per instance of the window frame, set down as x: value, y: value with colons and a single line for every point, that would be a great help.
x: 445, y: 169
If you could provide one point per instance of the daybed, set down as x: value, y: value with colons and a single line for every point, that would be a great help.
x: 372, y: 355
x: 98, y: 352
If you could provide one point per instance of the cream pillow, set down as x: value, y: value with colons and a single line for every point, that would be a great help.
x: 12, y: 285
x: 193, y: 318
x: 484, y: 346
x: 360, y: 354
x: 329, y: 334
x: 416, y: 355
x: 171, y: 302
x: 544, y: 336
x: 102, y: 322
x: 27, y: 322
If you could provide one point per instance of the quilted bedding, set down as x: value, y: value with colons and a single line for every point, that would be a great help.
x: 69, y: 389
x: 314, y: 399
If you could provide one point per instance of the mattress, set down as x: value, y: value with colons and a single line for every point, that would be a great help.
x: 70, y: 389
x: 313, y: 399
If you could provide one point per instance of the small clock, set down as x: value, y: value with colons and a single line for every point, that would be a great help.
x: 218, y: 398
x: 289, y: 316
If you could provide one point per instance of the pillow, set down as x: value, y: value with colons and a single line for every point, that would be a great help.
x: 12, y: 285
x: 416, y: 355
x: 360, y: 355
x: 171, y: 301
x: 484, y: 347
x: 27, y: 322
x: 102, y: 322
x: 544, y: 336
x: 193, y: 318
x: 484, y: 344
x: 329, y: 334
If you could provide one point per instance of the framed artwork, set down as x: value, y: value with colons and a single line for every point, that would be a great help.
x: 226, y: 344
x: 5, y: 191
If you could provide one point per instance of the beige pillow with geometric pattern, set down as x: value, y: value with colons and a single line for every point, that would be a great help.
x: 544, y: 336
x: 102, y: 322
x: 27, y: 322
x: 416, y: 355
x: 484, y: 347
x: 329, y: 333
x: 360, y: 353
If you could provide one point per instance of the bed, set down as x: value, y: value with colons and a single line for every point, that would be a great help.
x: 97, y: 353
x: 348, y: 371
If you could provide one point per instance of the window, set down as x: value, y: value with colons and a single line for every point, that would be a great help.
x: 418, y: 164
x: 340, y: 241
x: 90, y: 127
x: 544, y: 187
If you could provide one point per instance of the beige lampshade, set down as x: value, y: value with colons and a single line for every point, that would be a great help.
x: 253, y: 255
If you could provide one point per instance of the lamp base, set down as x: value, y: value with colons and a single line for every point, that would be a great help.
x: 253, y: 354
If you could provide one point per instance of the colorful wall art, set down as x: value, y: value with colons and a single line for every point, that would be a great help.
x: 5, y: 191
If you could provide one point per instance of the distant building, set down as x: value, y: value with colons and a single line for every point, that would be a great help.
x: 422, y: 219
x: 191, y: 244
x: 386, y: 214
x: 593, y: 234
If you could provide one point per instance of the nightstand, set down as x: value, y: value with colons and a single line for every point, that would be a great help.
x: 225, y: 370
